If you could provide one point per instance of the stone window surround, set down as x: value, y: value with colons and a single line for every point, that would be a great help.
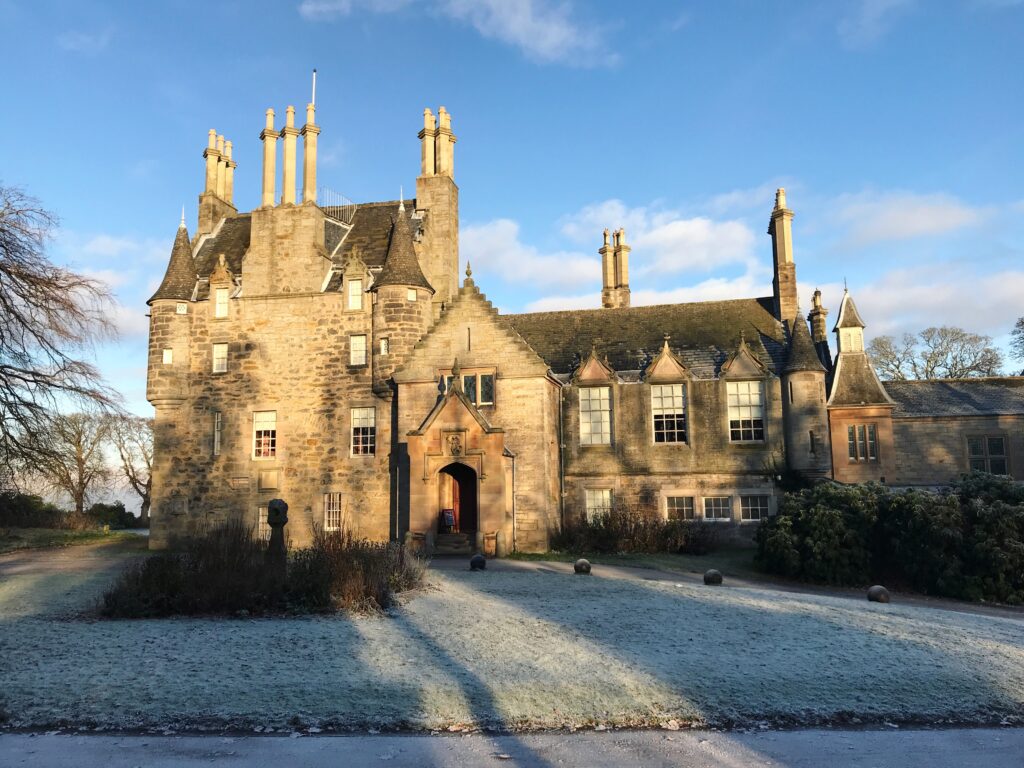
x: 351, y: 297
x: 736, y: 503
x: 367, y: 440
x: 276, y: 444
x: 332, y: 510
x: 167, y: 357
x: 214, y: 359
x: 686, y: 411
x: 870, y: 432
x: 218, y: 430
x: 477, y: 372
x: 592, y: 494
x: 220, y: 308
x: 756, y: 443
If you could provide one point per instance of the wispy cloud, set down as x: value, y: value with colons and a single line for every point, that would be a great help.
x: 495, y: 248
x: 543, y: 30
x: 89, y: 43
x: 867, y: 21
x: 872, y: 217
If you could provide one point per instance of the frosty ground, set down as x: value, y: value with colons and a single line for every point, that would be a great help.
x: 521, y: 646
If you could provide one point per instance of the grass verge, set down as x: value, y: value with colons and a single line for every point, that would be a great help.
x: 13, y: 539
x: 731, y: 561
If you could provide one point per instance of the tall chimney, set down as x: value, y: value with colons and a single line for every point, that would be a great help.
x: 780, y: 227
x: 607, y: 273
x: 291, y: 134
x: 428, y: 137
x: 309, y: 134
x: 212, y: 157
x: 221, y: 168
x: 229, y: 174
x: 444, y: 145
x: 269, y: 138
x: 622, y: 268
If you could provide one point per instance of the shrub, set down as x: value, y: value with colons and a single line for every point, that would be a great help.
x: 21, y: 510
x: 221, y: 571
x: 622, y: 531
x: 114, y: 515
x: 918, y: 541
x: 993, y: 556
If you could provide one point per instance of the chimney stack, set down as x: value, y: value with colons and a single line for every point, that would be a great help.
x: 444, y: 145
x: 780, y: 227
x: 291, y: 134
x: 229, y: 174
x: 221, y: 167
x: 269, y: 138
x: 212, y: 157
x: 615, y: 270
x: 309, y: 133
x: 428, y: 137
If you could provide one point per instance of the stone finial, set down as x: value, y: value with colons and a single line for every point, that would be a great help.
x: 469, y: 270
x: 606, y: 233
x: 816, y: 299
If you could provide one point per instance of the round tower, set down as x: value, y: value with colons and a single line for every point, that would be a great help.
x: 805, y: 417
x: 170, y: 310
x: 402, y: 310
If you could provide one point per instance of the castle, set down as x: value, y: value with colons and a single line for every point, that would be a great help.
x: 330, y: 355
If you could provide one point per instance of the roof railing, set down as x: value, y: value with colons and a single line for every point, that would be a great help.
x: 335, y: 205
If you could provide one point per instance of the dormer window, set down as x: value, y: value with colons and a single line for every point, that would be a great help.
x: 746, y: 411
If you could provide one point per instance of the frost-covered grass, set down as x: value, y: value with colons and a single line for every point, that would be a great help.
x: 12, y: 539
x: 520, y: 646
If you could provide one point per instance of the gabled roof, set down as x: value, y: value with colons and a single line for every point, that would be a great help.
x: 401, y: 267
x: 180, y: 278
x: 802, y: 354
x: 704, y: 334
x: 454, y: 393
x: 854, y: 382
x: 995, y: 396
x: 849, y: 317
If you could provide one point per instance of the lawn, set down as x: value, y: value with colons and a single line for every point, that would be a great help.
x: 735, y: 562
x: 523, y: 645
x: 12, y: 539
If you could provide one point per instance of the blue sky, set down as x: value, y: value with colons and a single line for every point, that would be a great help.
x: 897, y: 127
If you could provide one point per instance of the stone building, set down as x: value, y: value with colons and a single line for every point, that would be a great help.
x: 327, y: 354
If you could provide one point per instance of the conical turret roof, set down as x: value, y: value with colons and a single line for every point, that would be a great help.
x: 849, y: 317
x: 802, y: 354
x: 401, y: 267
x: 180, y: 278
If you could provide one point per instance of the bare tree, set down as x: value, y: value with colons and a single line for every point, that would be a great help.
x: 1017, y: 339
x: 935, y: 353
x: 49, y: 317
x: 74, y: 461
x: 132, y: 437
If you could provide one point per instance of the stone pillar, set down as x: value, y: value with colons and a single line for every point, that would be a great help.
x: 269, y: 138
x: 212, y: 157
x: 229, y: 174
x: 222, y: 174
x: 428, y: 137
x: 291, y: 134
x: 309, y: 134
x: 444, y: 145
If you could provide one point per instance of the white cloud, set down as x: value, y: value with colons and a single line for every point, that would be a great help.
x: 111, y: 250
x: 90, y: 43
x: 494, y: 248
x: 131, y: 322
x: 543, y: 30
x: 878, y: 217
x: 866, y: 21
x: 663, y: 240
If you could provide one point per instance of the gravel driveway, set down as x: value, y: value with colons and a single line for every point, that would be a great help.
x: 518, y: 646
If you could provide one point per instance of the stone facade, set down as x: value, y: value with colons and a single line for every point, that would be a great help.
x: 327, y: 355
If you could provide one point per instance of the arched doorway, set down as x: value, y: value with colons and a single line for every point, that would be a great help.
x: 457, y: 500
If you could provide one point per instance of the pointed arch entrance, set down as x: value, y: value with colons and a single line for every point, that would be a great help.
x: 459, y: 499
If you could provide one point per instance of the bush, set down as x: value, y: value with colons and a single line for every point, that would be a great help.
x: 21, y: 510
x: 222, y: 572
x: 622, y: 531
x: 967, y: 543
x: 114, y: 515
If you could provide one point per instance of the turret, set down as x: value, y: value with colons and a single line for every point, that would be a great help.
x: 780, y: 227
x: 805, y: 416
x: 437, y: 200
x: 402, y: 309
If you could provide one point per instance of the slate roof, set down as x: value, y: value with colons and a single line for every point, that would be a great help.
x: 180, y: 278
x: 958, y: 397
x: 802, y: 354
x: 703, y: 334
x: 854, y: 382
x: 401, y: 267
x: 231, y: 239
x: 849, y: 317
x: 370, y: 231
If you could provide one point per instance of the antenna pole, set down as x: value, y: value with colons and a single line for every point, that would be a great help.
x: 313, y: 100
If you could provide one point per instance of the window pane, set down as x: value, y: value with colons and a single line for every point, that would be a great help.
x: 746, y: 410
x: 385, y: 346
x: 217, y: 425
x: 872, y: 443
x: 679, y: 507
x: 595, y: 416
x: 976, y: 446
x: 598, y: 502
x: 220, y: 358
x: 364, y: 431
x: 332, y: 511
x: 486, y: 389
x: 753, y: 507
x: 220, y: 297
x: 168, y: 356
x: 410, y: 294
x: 995, y: 446
x: 355, y: 294
x: 851, y: 438
x: 469, y: 387
x: 717, y: 507
x: 668, y: 410
x: 997, y: 466
x: 979, y: 465
x: 262, y: 526
x: 357, y: 350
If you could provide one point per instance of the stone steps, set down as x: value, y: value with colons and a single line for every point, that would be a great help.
x: 454, y: 544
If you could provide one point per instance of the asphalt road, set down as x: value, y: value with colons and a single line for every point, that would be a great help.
x: 978, y: 748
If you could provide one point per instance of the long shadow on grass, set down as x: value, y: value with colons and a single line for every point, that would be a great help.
x: 743, y: 653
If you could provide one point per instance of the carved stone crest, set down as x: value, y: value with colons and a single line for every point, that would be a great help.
x: 454, y: 444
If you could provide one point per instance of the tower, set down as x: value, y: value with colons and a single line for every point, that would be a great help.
x: 437, y: 199
x: 805, y: 416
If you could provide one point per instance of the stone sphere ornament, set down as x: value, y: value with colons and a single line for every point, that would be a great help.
x: 712, y: 577
x: 582, y: 567
x: 477, y: 563
x: 878, y: 594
